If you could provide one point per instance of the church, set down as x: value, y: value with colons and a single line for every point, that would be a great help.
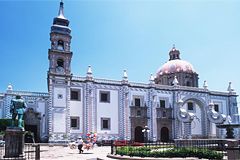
x: 170, y: 106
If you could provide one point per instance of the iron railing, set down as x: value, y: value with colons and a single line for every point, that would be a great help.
x: 31, y: 152
x: 202, y: 144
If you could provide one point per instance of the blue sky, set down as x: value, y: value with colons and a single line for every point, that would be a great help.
x: 113, y: 35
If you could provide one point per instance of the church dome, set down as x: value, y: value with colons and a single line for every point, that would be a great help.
x: 174, y: 66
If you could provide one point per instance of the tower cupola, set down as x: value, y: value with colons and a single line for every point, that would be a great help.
x: 174, y: 54
x: 60, y: 36
x: 60, y: 23
x: 60, y: 19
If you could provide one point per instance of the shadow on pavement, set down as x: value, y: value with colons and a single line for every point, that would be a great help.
x: 86, y: 153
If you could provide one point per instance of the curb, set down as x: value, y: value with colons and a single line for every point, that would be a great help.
x: 148, y: 158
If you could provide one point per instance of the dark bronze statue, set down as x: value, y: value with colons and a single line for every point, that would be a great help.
x: 17, y: 109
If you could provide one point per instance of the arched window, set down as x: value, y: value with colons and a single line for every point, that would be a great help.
x: 60, y: 63
x: 60, y: 45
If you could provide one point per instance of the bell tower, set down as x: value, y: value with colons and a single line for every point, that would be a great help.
x: 59, y: 55
x: 59, y: 77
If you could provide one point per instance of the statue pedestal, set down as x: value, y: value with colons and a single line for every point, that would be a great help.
x: 233, y: 151
x: 14, y: 142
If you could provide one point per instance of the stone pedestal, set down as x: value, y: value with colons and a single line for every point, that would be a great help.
x: 233, y: 151
x: 14, y: 142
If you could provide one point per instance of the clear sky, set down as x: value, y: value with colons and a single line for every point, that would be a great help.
x: 113, y: 35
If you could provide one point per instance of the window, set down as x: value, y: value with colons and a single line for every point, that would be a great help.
x: 188, y: 84
x: 216, y: 107
x: 164, y: 114
x: 30, y: 102
x: 60, y: 96
x: 74, y: 122
x: 162, y: 104
x: 137, y: 102
x: 190, y: 106
x: 75, y: 94
x: 105, y: 96
x: 60, y: 63
x: 105, y: 123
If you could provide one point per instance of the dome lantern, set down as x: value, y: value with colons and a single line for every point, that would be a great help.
x: 174, y: 53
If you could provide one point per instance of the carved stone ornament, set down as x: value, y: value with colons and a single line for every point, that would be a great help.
x: 185, y: 116
x: 214, y: 116
x: 125, y: 89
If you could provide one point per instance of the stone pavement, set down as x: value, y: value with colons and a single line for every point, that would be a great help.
x: 65, y: 153
x: 97, y: 153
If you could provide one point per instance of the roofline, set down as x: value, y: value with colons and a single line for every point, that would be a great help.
x: 156, y: 86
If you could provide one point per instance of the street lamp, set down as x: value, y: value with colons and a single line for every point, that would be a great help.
x: 145, y: 130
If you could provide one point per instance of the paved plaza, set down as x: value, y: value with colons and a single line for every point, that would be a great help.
x: 97, y: 153
x: 65, y: 153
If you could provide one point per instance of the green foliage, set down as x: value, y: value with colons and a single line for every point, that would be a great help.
x: 133, y: 151
x: 4, y: 123
x: 2, y: 133
x: 171, y: 152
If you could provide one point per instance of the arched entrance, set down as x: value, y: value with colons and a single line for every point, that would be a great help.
x: 32, y: 124
x: 139, y: 136
x: 197, y: 106
x: 164, y: 134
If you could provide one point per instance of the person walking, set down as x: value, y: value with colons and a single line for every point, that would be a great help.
x: 80, y: 145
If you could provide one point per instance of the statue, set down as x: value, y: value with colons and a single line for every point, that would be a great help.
x: 17, y: 109
x: 229, y: 119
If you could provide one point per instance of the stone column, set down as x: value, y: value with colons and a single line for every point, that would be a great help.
x: 187, y: 130
x: 179, y: 134
x: 14, y: 142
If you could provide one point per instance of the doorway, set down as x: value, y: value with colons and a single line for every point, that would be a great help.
x: 139, y: 136
x: 164, y: 134
x: 31, y: 138
x: 32, y: 124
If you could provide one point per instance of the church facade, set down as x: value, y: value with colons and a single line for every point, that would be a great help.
x: 171, y: 105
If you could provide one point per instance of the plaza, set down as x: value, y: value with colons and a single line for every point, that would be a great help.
x: 97, y: 153
x: 61, y: 152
